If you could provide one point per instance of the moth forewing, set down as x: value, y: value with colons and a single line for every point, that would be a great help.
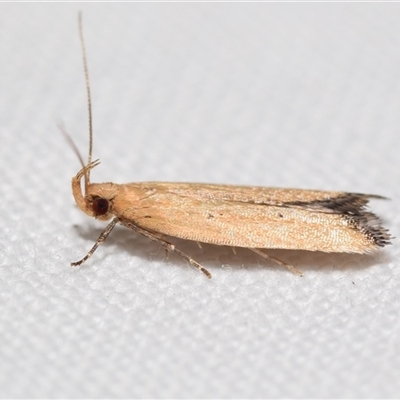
x: 239, y: 216
x: 275, y: 218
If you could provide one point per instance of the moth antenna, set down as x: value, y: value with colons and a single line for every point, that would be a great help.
x: 89, y: 98
x: 68, y: 138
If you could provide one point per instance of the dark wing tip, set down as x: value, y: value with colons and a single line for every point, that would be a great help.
x: 371, y: 226
x: 352, y: 206
x: 369, y: 196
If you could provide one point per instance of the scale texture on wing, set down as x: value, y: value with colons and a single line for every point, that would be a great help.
x: 260, y: 217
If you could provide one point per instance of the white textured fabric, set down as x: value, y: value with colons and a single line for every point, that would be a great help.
x: 292, y: 95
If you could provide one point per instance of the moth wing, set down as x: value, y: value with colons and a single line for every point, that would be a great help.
x: 259, y: 217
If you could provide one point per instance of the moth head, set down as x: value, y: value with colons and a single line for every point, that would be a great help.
x: 97, y: 198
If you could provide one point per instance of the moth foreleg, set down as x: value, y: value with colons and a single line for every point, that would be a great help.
x: 167, y: 245
x: 99, y: 241
x: 265, y: 255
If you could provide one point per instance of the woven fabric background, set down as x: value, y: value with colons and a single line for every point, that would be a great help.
x: 292, y: 95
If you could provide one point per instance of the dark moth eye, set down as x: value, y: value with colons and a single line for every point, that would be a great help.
x: 100, y: 206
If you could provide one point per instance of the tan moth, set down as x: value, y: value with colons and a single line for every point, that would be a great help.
x: 239, y: 216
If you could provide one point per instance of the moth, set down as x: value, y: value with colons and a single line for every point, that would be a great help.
x: 255, y: 218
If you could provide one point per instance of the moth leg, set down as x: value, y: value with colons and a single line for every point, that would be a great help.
x: 166, y: 250
x: 288, y: 266
x: 99, y: 241
x: 167, y: 245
